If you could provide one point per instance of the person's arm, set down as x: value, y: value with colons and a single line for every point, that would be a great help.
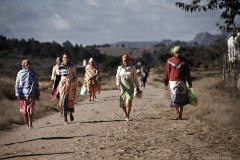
x: 135, y: 78
x: 188, y: 75
x: 17, y: 85
x: 53, y: 73
x: 118, y: 77
x: 37, y: 89
x: 166, y: 75
x: 75, y: 72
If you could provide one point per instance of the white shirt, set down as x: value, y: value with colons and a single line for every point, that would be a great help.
x: 128, y: 73
x: 55, y: 72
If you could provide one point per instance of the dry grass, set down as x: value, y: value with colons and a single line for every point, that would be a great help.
x: 218, y: 103
x: 9, y: 110
x: 118, y: 51
x: 108, y: 82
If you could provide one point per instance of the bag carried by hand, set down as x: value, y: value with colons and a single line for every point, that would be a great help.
x: 192, y: 97
x: 138, y: 93
x: 83, y: 91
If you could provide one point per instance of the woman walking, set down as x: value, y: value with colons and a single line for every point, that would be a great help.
x: 27, y: 92
x: 126, y: 81
x: 92, y: 79
x: 67, y: 88
x: 55, y: 78
x: 177, y: 73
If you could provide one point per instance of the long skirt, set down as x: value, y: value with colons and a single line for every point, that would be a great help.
x: 127, y: 91
x: 178, y: 93
x: 27, y: 106
x: 93, y: 86
x: 67, y: 96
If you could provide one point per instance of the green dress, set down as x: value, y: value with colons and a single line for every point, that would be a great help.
x: 127, y: 80
x: 127, y: 91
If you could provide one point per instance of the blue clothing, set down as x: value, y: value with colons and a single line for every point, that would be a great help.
x: 27, y: 84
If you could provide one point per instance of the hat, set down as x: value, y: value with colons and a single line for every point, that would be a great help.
x: 175, y: 49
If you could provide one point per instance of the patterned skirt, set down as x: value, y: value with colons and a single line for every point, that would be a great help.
x: 178, y: 93
x: 67, y: 92
x: 26, y: 106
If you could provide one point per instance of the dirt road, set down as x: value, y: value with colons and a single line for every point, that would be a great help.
x: 99, y: 132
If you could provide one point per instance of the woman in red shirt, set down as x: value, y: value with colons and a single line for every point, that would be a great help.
x: 177, y: 73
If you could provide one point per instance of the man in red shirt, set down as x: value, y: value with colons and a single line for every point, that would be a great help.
x: 177, y: 73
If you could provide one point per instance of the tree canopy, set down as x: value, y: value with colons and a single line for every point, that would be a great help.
x: 230, y: 11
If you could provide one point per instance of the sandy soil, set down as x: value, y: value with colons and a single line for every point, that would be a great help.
x: 99, y: 132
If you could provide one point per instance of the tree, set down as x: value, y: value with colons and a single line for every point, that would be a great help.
x: 230, y: 12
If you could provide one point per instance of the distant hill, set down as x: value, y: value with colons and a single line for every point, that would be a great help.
x: 204, y: 38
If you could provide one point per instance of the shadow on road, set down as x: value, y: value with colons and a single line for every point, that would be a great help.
x: 118, y: 120
x: 31, y: 155
x: 46, y: 138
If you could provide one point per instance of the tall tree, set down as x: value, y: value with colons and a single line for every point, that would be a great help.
x: 230, y: 11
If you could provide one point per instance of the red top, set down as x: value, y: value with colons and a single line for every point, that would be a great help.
x: 177, y: 69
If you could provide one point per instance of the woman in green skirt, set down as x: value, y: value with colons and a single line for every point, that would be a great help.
x: 126, y: 81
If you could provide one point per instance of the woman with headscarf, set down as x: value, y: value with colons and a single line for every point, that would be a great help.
x: 27, y: 91
x: 67, y: 88
x: 92, y: 79
x: 55, y: 78
x: 177, y: 73
x: 126, y: 81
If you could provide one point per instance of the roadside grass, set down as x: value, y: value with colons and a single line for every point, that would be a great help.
x: 9, y: 110
x: 218, y: 102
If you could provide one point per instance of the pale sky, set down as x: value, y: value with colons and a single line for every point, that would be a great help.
x: 90, y: 22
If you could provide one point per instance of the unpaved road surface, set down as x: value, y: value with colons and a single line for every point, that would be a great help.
x: 100, y: 132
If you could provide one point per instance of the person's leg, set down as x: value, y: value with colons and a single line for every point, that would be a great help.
x: 71, y: 116
x: 30, y: 120
x: 128, y: 110
x: 93, y: 96
x: 90, y: 96
x: 125, y: 112
x: 180, y: 112
x: 25, y: 117
x: 65, y: 118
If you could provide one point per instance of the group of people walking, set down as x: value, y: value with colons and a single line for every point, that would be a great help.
x: 64, y: 85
